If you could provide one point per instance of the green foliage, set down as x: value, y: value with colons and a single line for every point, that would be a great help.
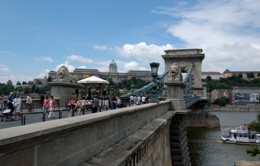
x: 49, y: 79
x: 208, y: 78
x: 253, y: 151
x: 24, y: 89
x: 9, y: 83
x: 230, y: 82
x: 250, y: 75
x: 5, y: 89
x: 254, y: 126
x: 133, y: 83
x: 222, y: 101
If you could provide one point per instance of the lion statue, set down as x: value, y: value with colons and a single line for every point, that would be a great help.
x: 175, y: 73
x: 63, y: 75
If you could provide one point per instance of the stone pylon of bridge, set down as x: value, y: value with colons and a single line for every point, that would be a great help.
x: 178, y: 137
x: 184, y: 58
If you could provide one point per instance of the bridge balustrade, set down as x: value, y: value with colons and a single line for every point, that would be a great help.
x: 74, y: 140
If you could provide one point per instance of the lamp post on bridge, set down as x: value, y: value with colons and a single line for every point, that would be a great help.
x: 154, y: 70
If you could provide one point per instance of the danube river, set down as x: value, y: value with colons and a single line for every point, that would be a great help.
x: 205, y: 146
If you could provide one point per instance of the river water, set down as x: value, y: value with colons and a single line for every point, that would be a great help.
x: 205, y: 146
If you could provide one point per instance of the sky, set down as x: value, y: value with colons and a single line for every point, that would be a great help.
x: 39, y: 36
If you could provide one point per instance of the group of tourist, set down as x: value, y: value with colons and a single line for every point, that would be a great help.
x: 48, y: 105
x: 78, y: 105
x: 75, y: 105
x: 13, y: 106
x: 138, y: 100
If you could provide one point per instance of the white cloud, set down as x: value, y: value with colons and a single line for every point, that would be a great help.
x: 143, y: 52
x: 3, y: 68
x: 44, y: 73
x: 82, y: 67
x: 66, y: 63
x: 227, y: 31
x: 48, y: 59
x: 131, y: 66
x: 81, y: 59
x: 103, y: 48
x: 7, y: 53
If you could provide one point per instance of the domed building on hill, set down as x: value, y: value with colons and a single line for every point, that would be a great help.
x: 80, y: 73
x: 112, y: 67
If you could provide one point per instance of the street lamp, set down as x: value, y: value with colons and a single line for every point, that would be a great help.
x: 154, y: 70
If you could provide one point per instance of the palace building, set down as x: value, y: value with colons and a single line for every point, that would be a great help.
x: 80, y: 73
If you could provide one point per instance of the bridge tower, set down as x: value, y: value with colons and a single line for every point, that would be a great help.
x: 185, y: 58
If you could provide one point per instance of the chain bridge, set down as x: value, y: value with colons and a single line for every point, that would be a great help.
x: 152, y: 134
x: 189, y: 61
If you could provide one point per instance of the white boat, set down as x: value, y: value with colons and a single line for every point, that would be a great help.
x: 240, y: 135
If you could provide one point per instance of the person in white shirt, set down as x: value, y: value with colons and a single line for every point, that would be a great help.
x: 17, y: 105
x: 143, y: 99
x: 29, y: 102
x: 52, y: 105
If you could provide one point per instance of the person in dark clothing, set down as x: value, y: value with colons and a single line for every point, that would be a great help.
x: 95, y: 104
x: 42, y: 99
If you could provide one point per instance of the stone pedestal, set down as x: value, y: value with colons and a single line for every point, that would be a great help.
x: 63, y: 90
x: 175, y: 93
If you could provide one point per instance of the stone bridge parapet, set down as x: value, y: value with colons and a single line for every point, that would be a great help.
x: 75, y: 140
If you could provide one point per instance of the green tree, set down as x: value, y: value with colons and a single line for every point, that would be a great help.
x: 254, y: 126
x: 33, y: 87
x: 222, y: 101
x: 250, y: 75
x: 9, y: 83
x: 208, y: 78
x: 49, y: 79
x: 18, y: 83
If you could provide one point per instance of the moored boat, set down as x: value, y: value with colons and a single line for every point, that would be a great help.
x: 240, y: 135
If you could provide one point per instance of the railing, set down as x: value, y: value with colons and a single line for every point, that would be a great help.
x: 190, y: 100
x: 24, y: 116
x: 188, y: 80
x: 147, y: 87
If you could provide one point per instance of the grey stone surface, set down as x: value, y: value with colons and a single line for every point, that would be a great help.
x: 63, y: 91
x: 72, y: 141
x: 186, y: 57
x: 116, y: 154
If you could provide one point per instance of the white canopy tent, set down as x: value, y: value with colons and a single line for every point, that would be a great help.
x: 93, y: 80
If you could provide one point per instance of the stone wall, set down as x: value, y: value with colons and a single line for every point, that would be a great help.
x: 254, y: 107
x: 149, y: 146
x: 179, y: 146
x: 204, y: 121
x: 73, y: 141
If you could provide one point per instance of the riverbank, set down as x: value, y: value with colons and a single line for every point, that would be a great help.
x: 234, y: 108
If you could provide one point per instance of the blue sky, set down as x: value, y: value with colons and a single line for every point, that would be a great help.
x: 39, y: 36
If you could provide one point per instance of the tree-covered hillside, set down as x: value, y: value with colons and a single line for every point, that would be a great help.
x: 231, y: 82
